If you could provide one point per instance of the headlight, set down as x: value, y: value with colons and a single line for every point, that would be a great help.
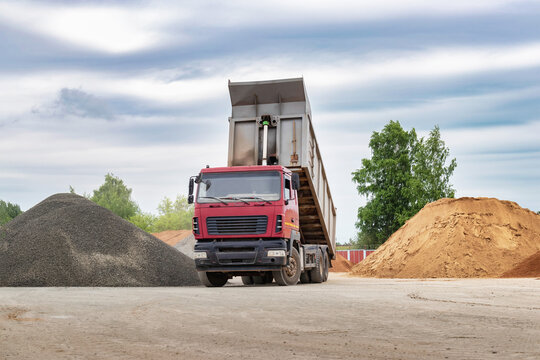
x: 200, y: 255
x: 276, y: 253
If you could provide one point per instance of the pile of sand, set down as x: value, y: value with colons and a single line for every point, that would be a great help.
x: 530, y: 267
x: 341, y: 264
x: 181, y: 240
x: 466, y: 237
x: 67, y: 240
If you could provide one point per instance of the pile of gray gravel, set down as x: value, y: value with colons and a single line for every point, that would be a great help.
x: 186, y: 246
x: 67, y: 240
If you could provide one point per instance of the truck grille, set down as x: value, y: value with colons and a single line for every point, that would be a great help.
x: 236, y: 225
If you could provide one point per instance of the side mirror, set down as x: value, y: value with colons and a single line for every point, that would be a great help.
x: 190, y: 192
x: 295, y: 178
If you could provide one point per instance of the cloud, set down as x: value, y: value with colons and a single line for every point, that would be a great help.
x: 330, y: 75
x: 495, y: 140
x: 77, y: 103
x: 450, y: 112
x: 117, y: 28
x: 111, y: 29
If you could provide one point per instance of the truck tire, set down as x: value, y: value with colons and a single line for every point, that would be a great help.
x: 213, y: 279
x: 290, y: 274
x: 304, y: 278
x: 326, y: 266
x: 247, y: 280
x: 317, y: 273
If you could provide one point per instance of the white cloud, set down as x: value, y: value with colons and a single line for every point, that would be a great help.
x: 494, y: 139
x: 110, y: 29
x: 138, y: 26
x: 448, y: 112
x: 224, y: 14
x: 336, y: 72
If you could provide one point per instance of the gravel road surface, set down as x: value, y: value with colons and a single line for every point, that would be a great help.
x: 345, y: 318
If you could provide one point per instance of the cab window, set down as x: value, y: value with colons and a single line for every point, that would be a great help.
x: 287, y: 189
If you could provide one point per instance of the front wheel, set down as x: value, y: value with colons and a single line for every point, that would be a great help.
x: 213, y: 279
x: 289, y: 275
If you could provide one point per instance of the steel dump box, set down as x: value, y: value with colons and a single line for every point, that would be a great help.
x: 291, y: 143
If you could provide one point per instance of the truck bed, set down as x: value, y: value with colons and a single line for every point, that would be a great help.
x: 291, y: 143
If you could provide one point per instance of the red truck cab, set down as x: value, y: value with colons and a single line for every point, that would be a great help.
x: 245, y: 222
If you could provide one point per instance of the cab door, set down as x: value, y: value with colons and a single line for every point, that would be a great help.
x: 291, y: 221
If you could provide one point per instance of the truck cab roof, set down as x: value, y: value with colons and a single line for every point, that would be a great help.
x: 247, y: 168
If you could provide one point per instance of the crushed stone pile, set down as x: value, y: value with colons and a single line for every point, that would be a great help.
x: 457, y: 238
x: 530, y: 267
x: 182, y: 240
x: 341, y: 264
x: 67, y: 240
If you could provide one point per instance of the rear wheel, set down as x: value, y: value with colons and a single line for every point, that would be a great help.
x: 247, y: 280
x: 213, y: 279
x: 289, y: 275
x: 326, y: 266
x: 304, y: 278
x: 317, y: 274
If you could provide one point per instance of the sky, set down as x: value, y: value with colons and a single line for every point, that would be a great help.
x: 139, y: 89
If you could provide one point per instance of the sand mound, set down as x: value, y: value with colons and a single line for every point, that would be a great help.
x: 341, y: 264
x: 466, y: 237
x: 172, y: 237
x: 181, y: 240
x: 530, y: 267
x: 67, y: 240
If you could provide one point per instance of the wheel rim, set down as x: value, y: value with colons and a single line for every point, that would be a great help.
x: 290, y: 270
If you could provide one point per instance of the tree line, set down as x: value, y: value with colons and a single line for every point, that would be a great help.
x: 8, y: 212
x: 113, y: 194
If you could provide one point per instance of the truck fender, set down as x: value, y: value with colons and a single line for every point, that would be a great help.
x: 295, y: 237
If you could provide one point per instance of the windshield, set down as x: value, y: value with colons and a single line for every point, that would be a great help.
x: 240, y: 186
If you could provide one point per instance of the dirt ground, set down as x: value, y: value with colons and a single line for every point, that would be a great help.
x: 346, y: 318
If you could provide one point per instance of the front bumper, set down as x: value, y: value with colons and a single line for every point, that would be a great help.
x: 239, y: 255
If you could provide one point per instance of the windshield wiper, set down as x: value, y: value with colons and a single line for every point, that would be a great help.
x: 256, y: 198
x: 215, y: 198
x: 235, y: 198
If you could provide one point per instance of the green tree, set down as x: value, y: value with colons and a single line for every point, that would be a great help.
x: 115, y: 196
x: 173, y: 215
x: 431, y: 175
x: 8, y: 211
x: 403, y: 175
x: 144, y: 221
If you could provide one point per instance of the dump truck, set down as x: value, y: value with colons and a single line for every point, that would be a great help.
x: 269, y: 213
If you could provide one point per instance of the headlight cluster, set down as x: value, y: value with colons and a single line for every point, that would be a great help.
x: 200, y: 255
x: 276, y: 253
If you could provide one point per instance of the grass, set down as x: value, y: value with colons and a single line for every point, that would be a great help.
x: 346, y: 247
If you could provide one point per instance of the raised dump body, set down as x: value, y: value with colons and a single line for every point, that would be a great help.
x: 291, y: 142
